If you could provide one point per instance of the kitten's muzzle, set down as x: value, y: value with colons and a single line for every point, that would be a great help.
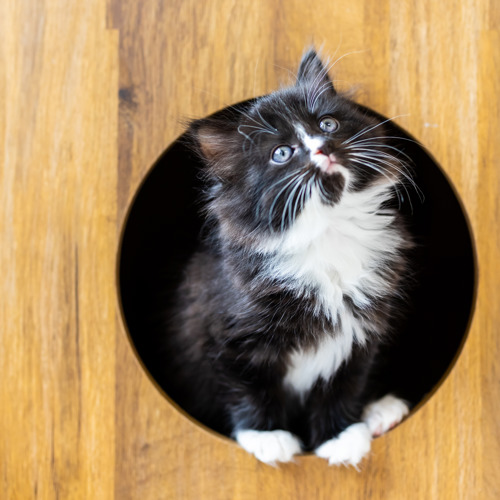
x: 326, y: 162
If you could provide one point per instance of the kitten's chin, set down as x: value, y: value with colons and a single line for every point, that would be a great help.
x: 332, y: 185
x: 337, y: 168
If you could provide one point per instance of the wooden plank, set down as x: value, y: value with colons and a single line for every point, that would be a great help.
x: 58, y: 227
x: 408, y: 64
x: 486, y: 226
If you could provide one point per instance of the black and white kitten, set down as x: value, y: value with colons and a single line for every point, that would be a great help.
x: 300, y: 276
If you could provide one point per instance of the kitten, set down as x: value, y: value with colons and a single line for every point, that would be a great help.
x: 299, y: 278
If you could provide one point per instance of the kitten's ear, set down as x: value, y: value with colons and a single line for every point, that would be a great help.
x: 312, y: 72
x: 213, y: 136
x: 210, y: 141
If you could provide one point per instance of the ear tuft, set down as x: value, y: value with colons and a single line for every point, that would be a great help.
x: 312, y: 72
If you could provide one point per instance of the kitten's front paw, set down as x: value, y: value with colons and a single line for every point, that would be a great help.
x: 384, y: 414
x: 269, y: 446
x: 349, y: 447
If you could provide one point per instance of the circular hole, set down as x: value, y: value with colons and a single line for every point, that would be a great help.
x: 162, y: 230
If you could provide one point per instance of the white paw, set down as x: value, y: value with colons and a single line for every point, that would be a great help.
x: 384, y: 414
x: 269, y: 446
x: 349, y: 447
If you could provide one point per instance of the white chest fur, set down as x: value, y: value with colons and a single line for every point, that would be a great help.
x: 336, y: 251
x: 306, y: 366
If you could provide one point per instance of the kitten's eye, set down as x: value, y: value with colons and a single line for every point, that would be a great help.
x: 328, y: 124
x: 281, y: 154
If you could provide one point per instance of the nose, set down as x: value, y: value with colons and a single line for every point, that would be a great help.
x: 326, y: 162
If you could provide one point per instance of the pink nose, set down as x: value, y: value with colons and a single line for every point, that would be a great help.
x: 325, y: 162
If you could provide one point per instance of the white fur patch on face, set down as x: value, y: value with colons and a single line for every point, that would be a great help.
x: 269, y: 446
x: 313, y: 144
x: 384, y: 414
x: 348, y: 448
x: 306, y: 366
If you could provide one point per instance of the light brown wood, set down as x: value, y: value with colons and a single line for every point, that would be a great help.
x: 91, y: 93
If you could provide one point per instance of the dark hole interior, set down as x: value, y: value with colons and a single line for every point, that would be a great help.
x: 162, y: 231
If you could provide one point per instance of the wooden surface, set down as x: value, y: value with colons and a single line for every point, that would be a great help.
x: 91, y: 92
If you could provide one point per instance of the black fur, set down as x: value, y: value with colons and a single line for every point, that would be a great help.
x: 235, y: 323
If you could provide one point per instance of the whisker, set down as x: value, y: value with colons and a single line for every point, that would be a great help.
x: 247, y: 138
x: 265, y: 122
x: 271, y: 210
x: 372, y: 144
x: 391, y: 137
x: 373, y: 153
x: 368, y: 129
x: 345, y: 55
x: 263, y: 129
x: 297, y: 202
x: 391, y: 181
x: 289, y: 201
x: 401, y: 171
x: 293, y: 213
x: 323, y: 194
x: 304, y: 194
x: 315, y: 86
x: 324, y: 88
x: 279, y: 181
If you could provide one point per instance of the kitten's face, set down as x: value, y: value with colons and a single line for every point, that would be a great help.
x: 291, y: 145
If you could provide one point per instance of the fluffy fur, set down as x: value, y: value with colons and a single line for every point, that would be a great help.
x: 299, y: 276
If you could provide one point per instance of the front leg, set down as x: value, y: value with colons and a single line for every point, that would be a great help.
x: 337, y: 432
x: 257, y: 420
x: 257, y: 408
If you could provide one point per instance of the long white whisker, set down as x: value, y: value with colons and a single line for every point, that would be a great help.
x: 262, y: 128
x: 367, y: 139
x: 303, y: 195
x: 289, y: 201
x: 297, y: 200
x: 345, y: 55
x: 293, y: 214
x: 324, y: 195
x: 265, y: 122
x: 271, y: 210
x: 324, y: 89
x: 368, y: 129
x: 313, y: 95
x: 246, y: 136
x: 372, y: 157
x: 274, y: 185
x: 373, y: 153
x: 368, y: 143
x: 315, y: 83
x: 391, y: 181
x: 315, y: 88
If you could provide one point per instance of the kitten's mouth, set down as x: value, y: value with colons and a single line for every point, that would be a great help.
x: 327, y: 163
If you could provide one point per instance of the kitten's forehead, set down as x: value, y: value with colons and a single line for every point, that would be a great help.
x: 287, y: 106
x: 311, y: 142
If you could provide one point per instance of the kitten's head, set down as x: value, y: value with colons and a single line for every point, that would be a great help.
x: 269, y: 158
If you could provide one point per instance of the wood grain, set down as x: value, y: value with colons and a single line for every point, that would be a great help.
x: 91, y: 93
x: 58, y: 225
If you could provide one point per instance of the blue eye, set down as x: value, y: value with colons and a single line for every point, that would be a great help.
x: 328, y: 124
x: 281, y: 154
